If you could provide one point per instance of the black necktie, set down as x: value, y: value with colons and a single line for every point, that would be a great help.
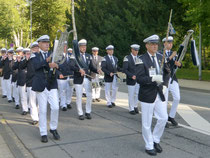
x: 45, y: 55
x: 83, y: 58
x: 154, y: 64
x: 112, y: 60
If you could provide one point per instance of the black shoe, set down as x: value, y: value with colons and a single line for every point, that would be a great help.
x: 132, y: 112
x: 9, y: 101
x: 109, y: 106
x: 4, y: 96
x: 81, y: 117
x: 167, y: 125
x: 113, y: 104
x: 98, y: 100
x: 69, y: 106
x: 88, y: 116
x: 44, y: 139
x: 172, y: 121
x: 157, y: 147
x: 55, y: 134
x: 64, y: 109
x: 151, y: 152
x: 93, y: 100
x: 136, y: 110
x: 34, y: 122
x: 84, y: 95
x: 17, y: 107
x: 24, y: 113
x: 13, y: 99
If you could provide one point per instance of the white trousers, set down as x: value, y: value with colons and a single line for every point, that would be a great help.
x: 43, y: 98
x: 160, y: 112
x: 3, y: 86
x: 108, y: 85
x: 65, y: 92
x: 96, y: 92
x: 79, y: 90
x: 133, y: 92
x: 32, y: 104
x: 15, y: 93
x: 175, y: 92
x: 23, y: 97
x: 8, y: 86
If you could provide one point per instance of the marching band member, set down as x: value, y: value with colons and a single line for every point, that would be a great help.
x: 129, y: 68
x: 96, y: 91
x: 110, y: 67
x: 70, y: 51
x: 174, y: 86
x: 15, y: 93
x: 35, y: 47
x: 64, y: 87
x: 27, y: 64
x: 45, y: 85
x: 21, y: 80
x: 151, y: 94
x: 7, y: 63
x: 81, y: 80
x: 3, y: 85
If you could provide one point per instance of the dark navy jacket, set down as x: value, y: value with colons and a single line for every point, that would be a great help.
x: 107, y: 68
x: 21, y: 74
x: 78, y: 79
x: 1, y: 66
x: 43, y: 77
x: 129, y: 68
x: 149, y: 90
x: 7, y: 66
x: 28, y: 65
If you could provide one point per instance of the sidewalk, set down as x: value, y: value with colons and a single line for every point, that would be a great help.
x: 193, y: 84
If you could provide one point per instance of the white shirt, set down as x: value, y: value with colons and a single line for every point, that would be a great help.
x: 134, y: 57
x: 155, y: 57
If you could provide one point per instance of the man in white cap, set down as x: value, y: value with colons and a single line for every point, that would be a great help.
x: 174, y: 86
x: 3, y: 85
x: 64, y: 88
x: 110, y: 67
x: 70, y: 51
x: 82, y: 79
x: 151, y: 94
x: 27, y: 64
x: 129, y: 68
x: 46, y: 88
x: 34, y: 47
x: 96, y: 91
x: 21, y: 81
x: 7, y: 63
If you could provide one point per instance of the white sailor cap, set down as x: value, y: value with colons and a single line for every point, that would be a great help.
x: 95, y: 49
x: 26, y: 50
x: 19, y: 49
x: 110, y: 47
x: 152, y: 39
x: 44, y: 38
x: 11, y: 50
x: 82, y: 42
x: 170, y: 39
x: 70, y: 49
x: 65, y: 43
x: 34, y: 44
x: 135, y: 47
x: 3, y: 49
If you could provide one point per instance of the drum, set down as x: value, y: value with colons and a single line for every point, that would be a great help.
x: 71, y: 82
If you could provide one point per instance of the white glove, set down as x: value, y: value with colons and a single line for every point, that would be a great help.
x: 164, y: 90
x: 157, y: 78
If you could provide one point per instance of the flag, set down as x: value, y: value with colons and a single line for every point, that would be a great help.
x: 194, y: 53
x: 171, y: 29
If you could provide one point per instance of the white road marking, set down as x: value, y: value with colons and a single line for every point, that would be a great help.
x: 196, y: 122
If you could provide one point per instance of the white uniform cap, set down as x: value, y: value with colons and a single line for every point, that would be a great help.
x: 152, y: 39
x: 19, y: 49
x: 95, y: 49
x: 26, y: 50
x: 135, y: 46
x: 44, y: 38
x: 3, y: 49
x: 110, y: 47
x: 11, y: 50
x: 70, y: 49
x: 34, y: 44
x: 65, y: 42
x: 170, y: 39
x: 82, y: 42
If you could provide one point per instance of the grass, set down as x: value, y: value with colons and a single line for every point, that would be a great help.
x: 192, y: 74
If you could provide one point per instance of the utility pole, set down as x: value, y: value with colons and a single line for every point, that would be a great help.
x: 200, y: 52
x: 30, y: 2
